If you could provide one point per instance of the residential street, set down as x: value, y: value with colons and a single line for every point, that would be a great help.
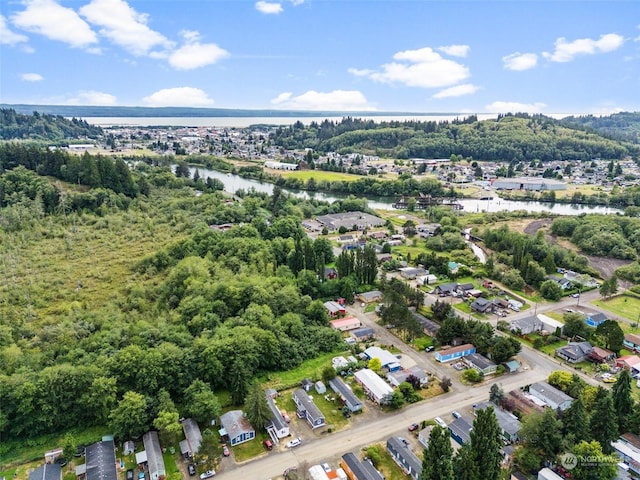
x: 538, y: 367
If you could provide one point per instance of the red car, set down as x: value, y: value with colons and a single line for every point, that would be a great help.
x: 225, y: 450
x: 413, y: 427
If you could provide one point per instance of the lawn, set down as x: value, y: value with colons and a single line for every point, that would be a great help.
x: 252, y: 449
x: 384, y: 462
x: 320, y: 175
x: 328, y: 403
x: 627, y: 306
x: 311, y: 369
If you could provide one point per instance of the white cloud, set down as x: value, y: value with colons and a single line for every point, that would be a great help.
x: 456, y: 50
x: 124, y: 26
x: 92, y: 98
x: 567, y: 51
x: 48, y: 18
x: 520, y: 61
x: 513, y: 107
x: 269, y: 8
x: 7, y: 37
x: 32, y: 77
x: 330, y: 101
x: 178, y: 97
x: 295, y: 3
x: 360, y: 72
x: 418, y: 68
x: 195, y: 54
x: 457, y: 91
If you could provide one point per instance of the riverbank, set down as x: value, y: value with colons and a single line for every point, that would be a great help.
x: 239, y: 179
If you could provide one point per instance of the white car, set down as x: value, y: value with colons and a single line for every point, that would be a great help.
x: 207, y: 474
x: 294, y: 443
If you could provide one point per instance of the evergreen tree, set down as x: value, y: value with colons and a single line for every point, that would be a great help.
x: 256, y: 407
x: 604, y: 422
x: 576, y: 422
x: 622, y: 401
x: 486, y: 443
x: 496, y: 394
x: 437, y: 463
x: 464, y: 466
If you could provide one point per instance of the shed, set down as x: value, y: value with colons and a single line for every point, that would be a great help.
x: 363, y: 334
x: 128, y: 447
x: 512, y: 366
x: 320, y: 387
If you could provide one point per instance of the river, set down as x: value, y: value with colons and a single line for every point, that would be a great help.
x: 233, y: 183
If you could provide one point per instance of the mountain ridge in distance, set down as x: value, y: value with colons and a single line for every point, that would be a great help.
x: 109, y: 111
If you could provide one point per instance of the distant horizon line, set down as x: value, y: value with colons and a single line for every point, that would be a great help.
x: 143, y: 111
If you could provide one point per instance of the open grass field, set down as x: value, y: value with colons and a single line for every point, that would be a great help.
x: 311, y: 369
x: 626, y: 305
x: 318, y: 175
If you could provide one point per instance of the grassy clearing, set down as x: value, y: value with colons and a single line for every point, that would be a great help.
x: 310, y: 369
x: 14, y: 453
x: 627, y: 306
x: 249, y: 450
x: 318, y: 175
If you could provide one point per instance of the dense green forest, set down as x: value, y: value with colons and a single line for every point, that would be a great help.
x: 103, y: 311
x: 624, y: 126
x: 520, y: 137
x: 44, y: 127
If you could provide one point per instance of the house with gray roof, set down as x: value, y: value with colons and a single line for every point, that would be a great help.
x: 550, y: 395
x: 349, y: 398
x: 307, y: 409
x: 480, y: 363
x: 509, y: 423
x: 525, y: 326
x: 482, y: 305
x: 277, y: 425
x: 236, y: 427
x: 574, y: 352
x: 155, y: 462
x: 399, y: 450
x: 48, y: 471
x: 396, y: 378
x: 359, y: 470
x: 460, y: 429
x: 101, y: 461
x: 193, y: 438
x: 429, y: 327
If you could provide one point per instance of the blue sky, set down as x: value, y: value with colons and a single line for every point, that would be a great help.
x: 385, y: 55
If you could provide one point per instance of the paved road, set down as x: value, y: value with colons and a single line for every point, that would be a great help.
x: 357, y: 436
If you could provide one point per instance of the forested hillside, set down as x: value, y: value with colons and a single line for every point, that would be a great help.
x: 509, y: 138
x: 106, y: 312
x: 624, y: 126
x: 44, y: 127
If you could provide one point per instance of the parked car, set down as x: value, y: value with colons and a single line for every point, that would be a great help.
x: 575, y: 295
x: 285, y: 417
x: 268, y: 444
x: 225, y: 450
x: 294, y: 443
x: 192, y: 469
x: 440, y: 422
x: 456, y: 414
x: 129, y: 474
x: 207, y: 474
x: 430, y: 348
x: 413, y: 427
